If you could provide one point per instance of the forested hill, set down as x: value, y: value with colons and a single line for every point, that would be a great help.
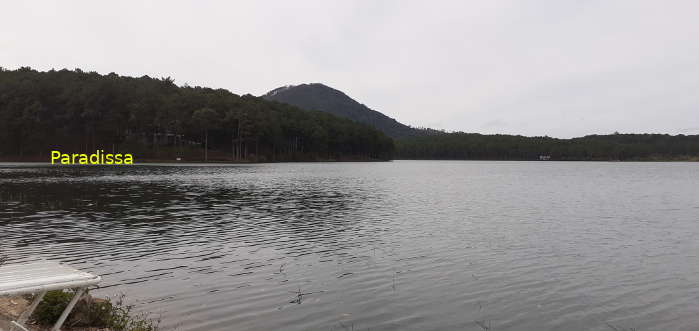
x: 429, y: 144
x: 80, y: 112
x: 614, y: 147
x: 323, y: 98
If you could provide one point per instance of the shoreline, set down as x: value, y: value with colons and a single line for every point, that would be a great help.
x: 223, y: 162
x: 171, y: 161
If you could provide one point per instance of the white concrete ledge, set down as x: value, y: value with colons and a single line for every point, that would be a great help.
x: 40, y: 277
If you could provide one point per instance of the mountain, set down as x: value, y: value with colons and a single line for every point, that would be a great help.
x: 327, y: 99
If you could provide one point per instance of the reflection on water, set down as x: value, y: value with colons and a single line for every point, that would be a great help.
x: 386, y: 246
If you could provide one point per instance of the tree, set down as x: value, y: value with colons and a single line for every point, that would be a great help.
x: 205, y: 118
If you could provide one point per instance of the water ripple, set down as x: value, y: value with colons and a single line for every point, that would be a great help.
x: 385, y: 246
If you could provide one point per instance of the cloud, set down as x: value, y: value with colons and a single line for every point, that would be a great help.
x: 560, y: 68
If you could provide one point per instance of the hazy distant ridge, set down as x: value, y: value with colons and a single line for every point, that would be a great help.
x: 323, y: 98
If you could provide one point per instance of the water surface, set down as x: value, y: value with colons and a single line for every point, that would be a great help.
x: 404, y: 245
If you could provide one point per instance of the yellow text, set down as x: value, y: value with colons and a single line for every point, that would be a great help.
x: 99, y: 157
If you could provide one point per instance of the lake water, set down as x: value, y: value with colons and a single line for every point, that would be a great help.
x: 404, y: 245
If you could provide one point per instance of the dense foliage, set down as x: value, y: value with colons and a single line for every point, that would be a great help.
x: 80, y: 112
x: 470, y: 146
x: 420, y: 143
x: 91, y: 313
x: 323, y: 98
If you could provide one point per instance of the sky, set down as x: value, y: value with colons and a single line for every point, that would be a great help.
x: 558, y: 68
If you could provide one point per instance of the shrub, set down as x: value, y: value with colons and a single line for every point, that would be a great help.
x: 121, y: 318
x: 90, y: 312
x: 49, y: 310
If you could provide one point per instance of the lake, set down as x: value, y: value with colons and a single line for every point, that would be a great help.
x: 403, y: 245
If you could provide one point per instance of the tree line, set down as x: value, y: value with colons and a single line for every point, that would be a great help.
x: 73, y: 111
x: 79, y: 112
x: 613, y: 147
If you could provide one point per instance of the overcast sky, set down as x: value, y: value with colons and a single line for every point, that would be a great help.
x: 557, y: 68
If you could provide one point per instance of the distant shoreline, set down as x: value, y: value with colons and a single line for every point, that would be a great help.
x: 688, y: 159
x: 223, y: 162
x: 170, y: 161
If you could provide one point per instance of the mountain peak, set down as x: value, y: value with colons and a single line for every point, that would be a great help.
x: 277, y: 90
x: 318, y: 96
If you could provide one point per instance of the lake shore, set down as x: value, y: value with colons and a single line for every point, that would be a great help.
x: 43, y: 160
x: 90, y: 314
x: 221, y: 161
x: 12, y: 307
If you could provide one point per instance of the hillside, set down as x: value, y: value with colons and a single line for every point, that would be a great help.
x: 412, y: 143
x: 324, y: 98
x: 73, y: 111
x: 80, y: 112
